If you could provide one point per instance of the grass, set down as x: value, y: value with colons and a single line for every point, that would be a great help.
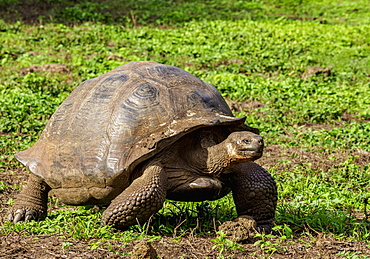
x: 177, y: 12
x: 251, y: 51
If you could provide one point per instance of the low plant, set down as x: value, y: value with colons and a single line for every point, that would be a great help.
x: 223, y: 243
x: 270, y: 243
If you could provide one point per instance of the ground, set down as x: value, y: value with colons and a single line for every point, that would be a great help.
x: 190, y: 246
x: 18, y: 245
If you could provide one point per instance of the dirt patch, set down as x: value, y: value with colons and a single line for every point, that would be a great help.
x: 362, y: 157
x: 53, y: 68
x: 116, y: 57
x: 240, y: 106
x: 226, y: 63
x: 240, y: 229
x: 144, y: 250
x: 313, y: 71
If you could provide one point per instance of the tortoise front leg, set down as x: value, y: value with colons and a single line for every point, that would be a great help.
x: 31, y: 203
x: 143, y: 198
x: 255, y: 194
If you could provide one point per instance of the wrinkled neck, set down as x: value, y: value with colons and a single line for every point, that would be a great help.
x: 218, y: 159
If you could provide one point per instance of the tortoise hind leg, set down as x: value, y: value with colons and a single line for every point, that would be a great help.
x: 31, y: 203
x: 255, y: 194
x: 143, y: 198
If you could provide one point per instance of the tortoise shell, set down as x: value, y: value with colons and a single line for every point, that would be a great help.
x: 109, y: 124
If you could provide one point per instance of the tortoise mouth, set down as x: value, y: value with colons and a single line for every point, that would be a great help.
x: 248, y: 157
x: 256, y: 156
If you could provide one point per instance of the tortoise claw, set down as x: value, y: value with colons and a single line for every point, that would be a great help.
x: 19, y: 215
x: 267, y: 228
x: 10, y: 217
x: 31, y: 215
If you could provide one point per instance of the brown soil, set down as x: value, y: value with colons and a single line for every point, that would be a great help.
x: 45, y: 68
x: 186, y: 247
x: 15, y: 245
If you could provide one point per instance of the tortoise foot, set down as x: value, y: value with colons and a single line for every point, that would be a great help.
x: 136, y: 204
x: 31, y: 203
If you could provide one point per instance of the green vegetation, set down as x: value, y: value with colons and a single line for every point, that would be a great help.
x: 222, y: 243
x: 252, y: 52
x: 176, y: 12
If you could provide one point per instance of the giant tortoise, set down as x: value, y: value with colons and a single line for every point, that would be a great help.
x: 137, y: 135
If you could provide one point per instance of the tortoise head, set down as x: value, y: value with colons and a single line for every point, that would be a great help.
x: 238, y: 147
x: 244, y: 146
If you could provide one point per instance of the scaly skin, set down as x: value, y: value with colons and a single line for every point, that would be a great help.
x: 31, y: 203
x: 255, y: 194
x: 142, y: 199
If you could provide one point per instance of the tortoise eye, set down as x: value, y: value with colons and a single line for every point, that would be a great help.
x: 246, y: 141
